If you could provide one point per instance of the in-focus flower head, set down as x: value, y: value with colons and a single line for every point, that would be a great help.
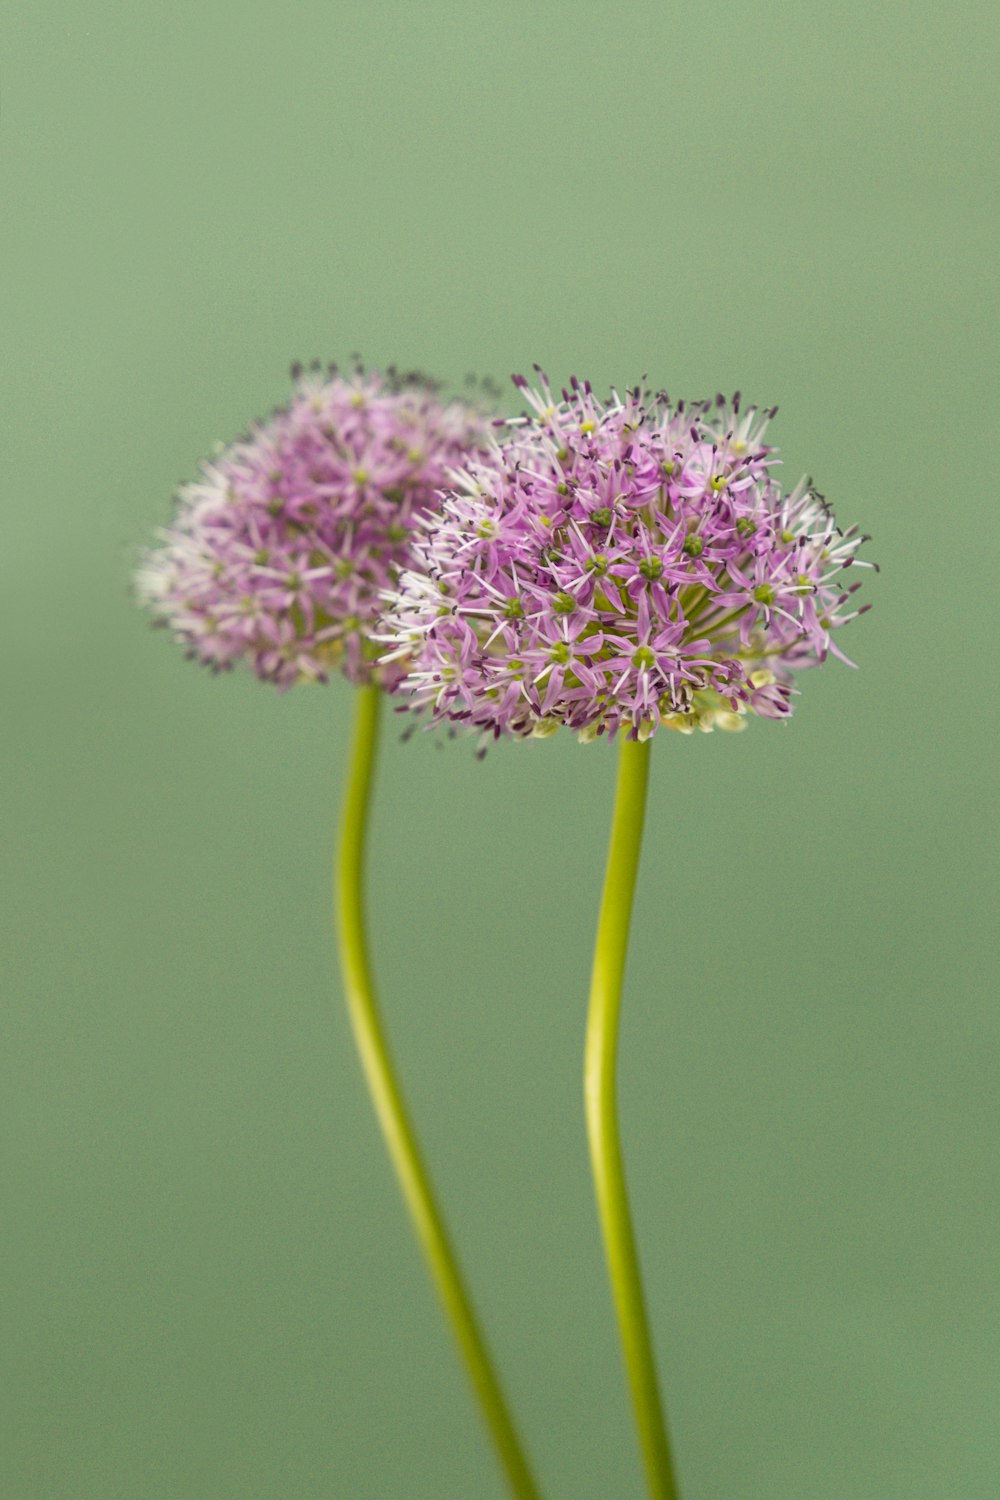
x: 281, y: 550
x: 630, y: 564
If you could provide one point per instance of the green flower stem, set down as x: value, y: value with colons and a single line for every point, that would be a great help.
x: 390, y: 1108
x: 600, y: 1093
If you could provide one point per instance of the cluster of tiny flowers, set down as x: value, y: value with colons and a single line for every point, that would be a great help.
x: 620, y: 566
x: 280, y: 552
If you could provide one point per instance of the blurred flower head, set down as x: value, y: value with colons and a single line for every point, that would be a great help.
x: 630, y: 564
x: 280, y: 551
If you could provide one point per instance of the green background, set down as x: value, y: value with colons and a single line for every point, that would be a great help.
x: 209, y: 1289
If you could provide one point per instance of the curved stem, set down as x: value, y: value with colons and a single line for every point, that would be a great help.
x: 390, y: 1108
x: 600, y: 1093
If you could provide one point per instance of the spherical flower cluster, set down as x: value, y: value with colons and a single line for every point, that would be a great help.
x: 281, y: 550
x: 620, y: 566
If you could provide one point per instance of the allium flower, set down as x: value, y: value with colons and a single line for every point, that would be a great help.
x: 281, y: 550
x: 626, y: 565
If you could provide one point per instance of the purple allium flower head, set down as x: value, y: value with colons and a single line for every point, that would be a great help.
x: 623, y: 565
x: 280, y: 552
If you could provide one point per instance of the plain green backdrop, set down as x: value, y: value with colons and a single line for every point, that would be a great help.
x: 209, y: 1288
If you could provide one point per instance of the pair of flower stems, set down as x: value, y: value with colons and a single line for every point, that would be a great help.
x: 600, y: 1098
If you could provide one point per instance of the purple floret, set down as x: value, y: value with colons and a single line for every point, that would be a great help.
x: 626, y: 565
x: 280, y: 552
